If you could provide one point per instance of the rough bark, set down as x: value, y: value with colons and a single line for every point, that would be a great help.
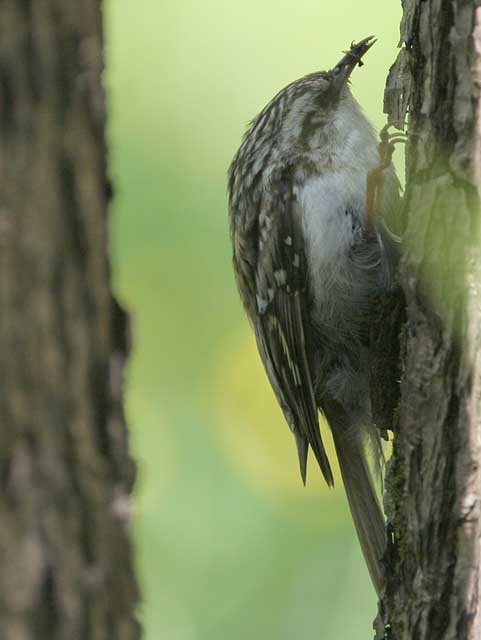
x: 434, y: 486
x: 65, y: 474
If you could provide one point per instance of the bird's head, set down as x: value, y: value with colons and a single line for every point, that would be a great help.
x: 296, y: 115
x: 313, y: 119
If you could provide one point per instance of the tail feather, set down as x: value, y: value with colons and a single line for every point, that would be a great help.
x: 364, y: 505
x: 363, y: 502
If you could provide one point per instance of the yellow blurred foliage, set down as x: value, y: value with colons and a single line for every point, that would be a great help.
x: 253, y: 431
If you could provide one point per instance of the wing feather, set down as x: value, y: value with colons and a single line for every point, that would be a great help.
x: 273, y: 280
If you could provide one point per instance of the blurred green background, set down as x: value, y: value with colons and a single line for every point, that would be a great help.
x: 229, y: 543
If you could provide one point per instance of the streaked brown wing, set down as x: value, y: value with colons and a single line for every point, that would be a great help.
x: 278, y: 280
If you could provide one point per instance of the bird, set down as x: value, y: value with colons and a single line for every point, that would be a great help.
x: 308, y: 267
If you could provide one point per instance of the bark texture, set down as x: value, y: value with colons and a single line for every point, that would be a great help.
x: 434, y: 486
x: 65, y: 474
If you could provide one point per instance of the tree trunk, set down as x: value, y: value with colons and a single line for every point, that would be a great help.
x: 433, y: 496
x: 65, y: 473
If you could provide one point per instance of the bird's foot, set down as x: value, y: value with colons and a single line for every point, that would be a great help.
x: 375, y: 177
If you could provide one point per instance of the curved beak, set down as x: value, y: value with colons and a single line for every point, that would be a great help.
x: 353, y: 57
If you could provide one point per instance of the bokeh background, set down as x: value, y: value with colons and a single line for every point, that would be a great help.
x: 228, y: 542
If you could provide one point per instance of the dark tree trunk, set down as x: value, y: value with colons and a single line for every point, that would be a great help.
x: 65, y: 474
x: 434, y: 480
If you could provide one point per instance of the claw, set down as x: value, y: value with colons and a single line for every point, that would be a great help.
x: 375, y: 177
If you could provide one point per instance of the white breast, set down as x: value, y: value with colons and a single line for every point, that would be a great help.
x: 324, y: 201
x: 333, y: 209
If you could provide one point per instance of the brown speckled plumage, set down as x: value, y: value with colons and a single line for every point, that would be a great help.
x: 307, y: 266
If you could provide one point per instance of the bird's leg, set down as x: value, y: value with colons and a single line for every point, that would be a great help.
x: 375, y: 177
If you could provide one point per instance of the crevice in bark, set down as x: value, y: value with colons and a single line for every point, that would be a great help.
x: 433, y: 493
x: 65, y: 470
